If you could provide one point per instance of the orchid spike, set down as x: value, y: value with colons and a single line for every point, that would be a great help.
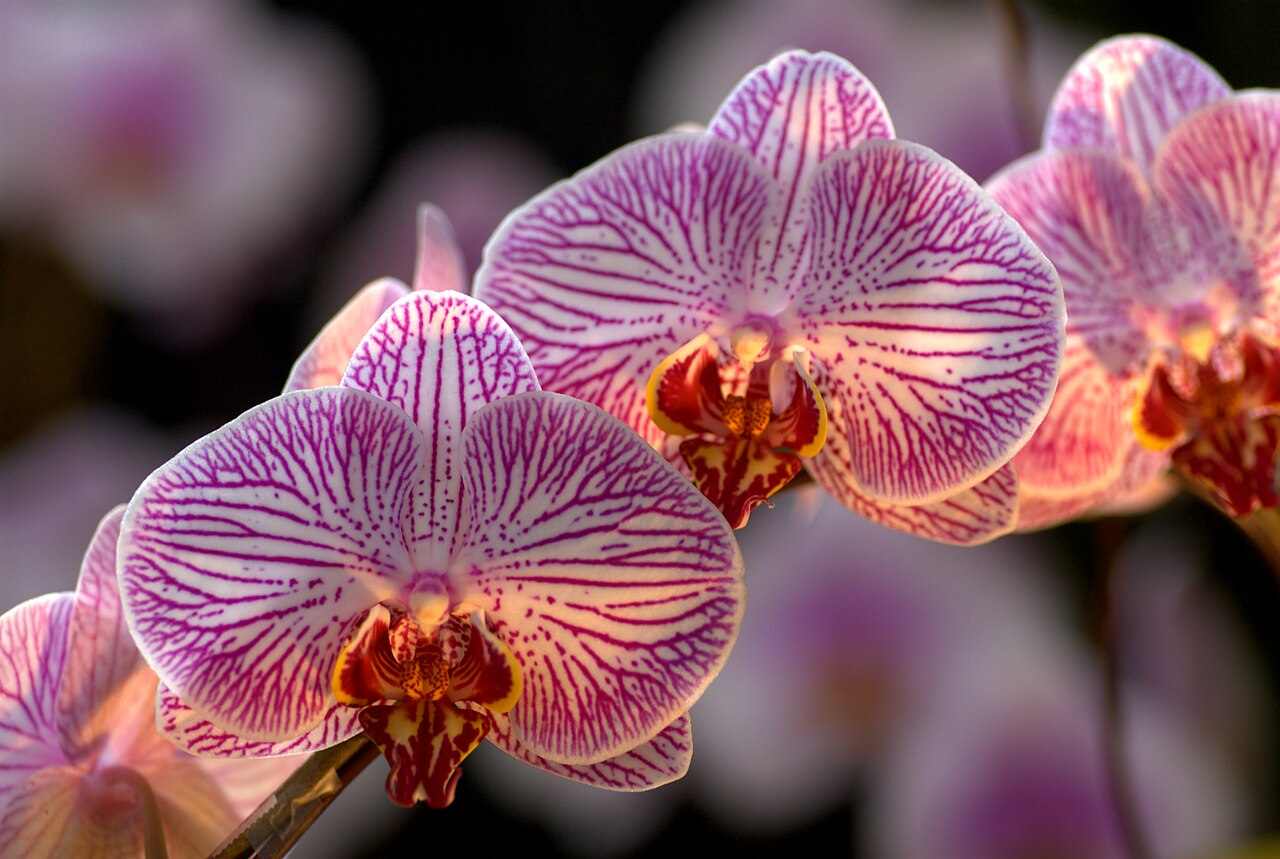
x: 437, y: 552
x: 1155, y: 196
x: 794, y: 288
x: 84, y: 771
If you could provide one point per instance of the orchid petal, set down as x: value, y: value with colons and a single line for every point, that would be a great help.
x: 1086, y: 210
x: 424, y: 742
x: 180, y: 725
x: 488, y: 674
x: 322, y: 363
x: 938, y: 321
x: 617, y: 585
x: 1038, y: 509
x: 366, y: 671
x: 1235, y: 460
x: 1083, y: 442
x: 243, y: 558
x: 101, y: 656
x: 33, y: 650
x: 1126, y: 94
x: 605, y: 275
x: 800, y: 425
x: 197, y: 814
x: 661, y: 760
x: 439, y: 265
x: 683, y: 395
x: 440, y: 356
x: 46, y: 819
x: 738, y: 474
x: 790, y: 114
x: 1220, y: 169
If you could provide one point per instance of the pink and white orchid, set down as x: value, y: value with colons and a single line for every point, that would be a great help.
x: 83, y: 771
x: 1155, y: 196
x: 436, y: 551
x: 794, y: 287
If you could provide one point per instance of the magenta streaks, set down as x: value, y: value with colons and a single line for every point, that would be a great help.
x: 581, y: 535
x: 606, y: 274
x: 440, y: 357
x: 937, y: 321
x: 246, y: 554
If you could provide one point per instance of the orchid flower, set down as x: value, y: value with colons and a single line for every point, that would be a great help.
x: 84, y: 772
x: 795, y: 288
x: 437, y: 552
x: 1155, y: 196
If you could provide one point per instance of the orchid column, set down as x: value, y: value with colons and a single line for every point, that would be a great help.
x: 434, y: 551
x: 794, y: 288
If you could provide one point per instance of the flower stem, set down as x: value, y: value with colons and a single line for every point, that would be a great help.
x: 283, y: 817
x: 1108, y: 537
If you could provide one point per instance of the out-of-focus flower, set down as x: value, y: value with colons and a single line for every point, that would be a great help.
x: 85, y: 772
x: 171, y: 147
x: 795, y: 288
x: 1008, y: 760
x: 1155, y: 196
x: 477, y: 176
x: 54, y: 487
x: 435, y: 551
x: 920, y: 55
x: 826, y: 676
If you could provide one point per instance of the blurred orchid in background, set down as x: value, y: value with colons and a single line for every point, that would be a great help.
x: 169, y: 148
x: 445, y: 550
x: 1155, y: 196
x: 85, y: 772
x: 794, y: 288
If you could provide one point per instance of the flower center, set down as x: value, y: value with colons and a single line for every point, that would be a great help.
x: 747, y: 416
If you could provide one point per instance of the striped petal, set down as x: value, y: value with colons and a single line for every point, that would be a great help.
x: 244, y: 557
x: 663, y: 759
x: 180, y: 725
x: 1221, y: 170
x: 738, y: 474
x: 617, y: 586
x: 1040, y: 509
x: 1126, y: 94
x: 33, y: 639
x: 939, y: 323
x: 790, y: 114
x: 439, y: 265
x: 101, y: 656
x: 1084, y: 441
x: 1087, y: 210
x: 440, y: 356
x: 605, y: 275
x: 323, y: 362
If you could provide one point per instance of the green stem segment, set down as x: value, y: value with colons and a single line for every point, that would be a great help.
x: 285, y: 815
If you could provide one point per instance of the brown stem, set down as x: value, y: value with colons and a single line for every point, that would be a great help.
x: 1109, y: 536
x: 1018, y: 70
x: 283, y: 817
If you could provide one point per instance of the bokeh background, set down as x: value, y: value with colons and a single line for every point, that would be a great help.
x: 189, y: 190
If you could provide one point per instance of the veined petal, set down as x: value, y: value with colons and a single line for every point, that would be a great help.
x: 801, y: 425
x: 180, y: 725
x: 790, y: 114
x: 1125, y: 95
x: 101, y: 655
x: 1084, y: 441
x: 439, y: 265
x: 440, y: 356
x: 197, y: 814
x: 1039, y: 509
x: 243, y: 558
x: 617, y: 586
x: 53, y: 814
x: 424, y: 742
x: 606, y: 274
x: 1085, y: 210
x: 938, y: 322
x: 33, y: 639
x: 738, y: 474
x: 323, y: 362
x: 1220, y: 168
x: 683, y: 394
x: 663, y: 759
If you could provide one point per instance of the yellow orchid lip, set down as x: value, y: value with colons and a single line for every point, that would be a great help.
x: 664, y: 386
